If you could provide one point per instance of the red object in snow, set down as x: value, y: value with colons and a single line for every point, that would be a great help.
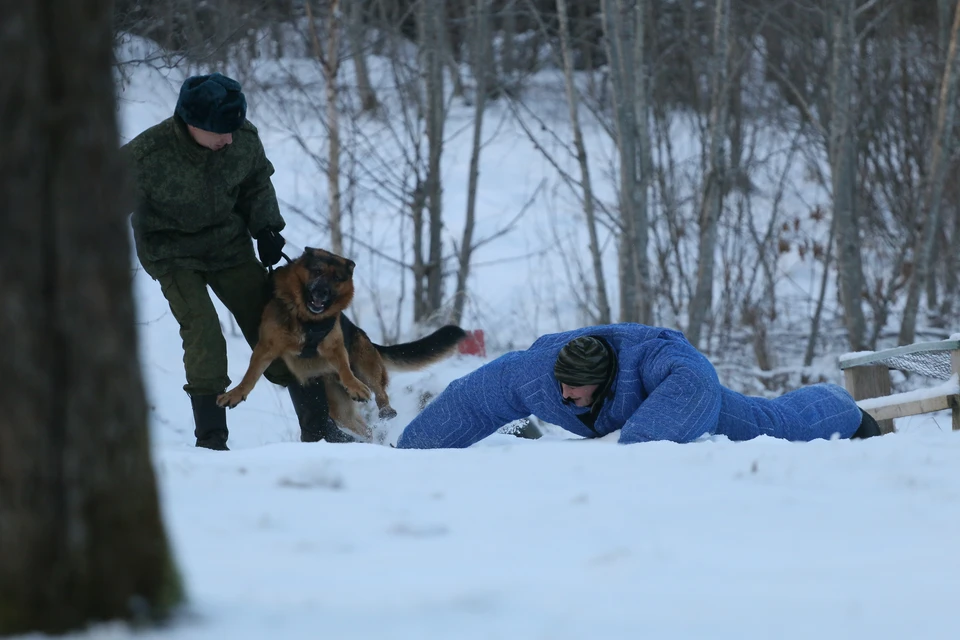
x: 473, y: 344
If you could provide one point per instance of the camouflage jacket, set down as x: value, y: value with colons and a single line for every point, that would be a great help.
x: 196, y: 208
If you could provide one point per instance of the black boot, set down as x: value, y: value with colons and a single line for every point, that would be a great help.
x: 868, y: 427
x: 313, y: 413
x: 211, y: 423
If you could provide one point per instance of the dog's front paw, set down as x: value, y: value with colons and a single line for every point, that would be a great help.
x: 359, y: 393
x: 231, y: 398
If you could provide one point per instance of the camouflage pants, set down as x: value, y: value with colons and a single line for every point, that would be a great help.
x: 243, y: 292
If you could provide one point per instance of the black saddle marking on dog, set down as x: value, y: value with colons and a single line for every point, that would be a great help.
x: 314, y: 333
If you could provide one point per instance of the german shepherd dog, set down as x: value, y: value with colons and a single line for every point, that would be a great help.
x: 303, y: 323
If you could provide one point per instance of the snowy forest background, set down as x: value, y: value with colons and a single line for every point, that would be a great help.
x: 774, y: 178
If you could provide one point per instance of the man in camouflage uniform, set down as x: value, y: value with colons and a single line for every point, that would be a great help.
x: 204, y: 191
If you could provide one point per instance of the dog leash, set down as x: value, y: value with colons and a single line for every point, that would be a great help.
x: 282, y: 255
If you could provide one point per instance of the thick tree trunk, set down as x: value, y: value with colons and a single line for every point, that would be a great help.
x: 81, y: 535
x: 329, y: 60
x: 331, y: 72
x: 644, y: 164
x: 621, y: 82
x: 482, y: 60
x: 951, y: 281
x: 432, y: 51
x: 435, y: 120
x: 418, y: 202
x: 842, y: 150
x: 715, y: 178
x: 933, y: 194
x: 603, y: 304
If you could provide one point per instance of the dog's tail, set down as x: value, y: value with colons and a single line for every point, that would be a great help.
x: 412, y: 356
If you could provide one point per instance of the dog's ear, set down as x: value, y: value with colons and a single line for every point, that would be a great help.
x: 312, y: 258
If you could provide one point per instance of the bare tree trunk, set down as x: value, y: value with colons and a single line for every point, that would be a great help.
x: 355, y: 31
x: 715, y: 178
x: 933, y: 193
x: 951, y: 262
x: 584, y: 39
x: 169, y: 31
x: 644, y: 163
x: 621, y: 83
x: 482, y: 61
x: 331, y: 72
x: 603, y: 304
x: 81, y: 533
x: 951, y: 283
x: 279, y: 12
x: 433, y: 51
x: 508, y: 53
x: 842, y: 150
x: 932, y: 291
x: 417, y: 205
x: 448, y: 45
x: 330, y: 64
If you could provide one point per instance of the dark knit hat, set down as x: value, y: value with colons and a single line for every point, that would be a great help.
x: 213, y: 103
x: 583, y: 361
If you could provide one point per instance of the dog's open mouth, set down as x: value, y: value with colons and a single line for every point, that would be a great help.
x: 317, y: 297
x: 318, y: 300
x: 316, y: 306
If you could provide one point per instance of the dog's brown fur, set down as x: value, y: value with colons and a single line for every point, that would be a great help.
x: 312, y: 292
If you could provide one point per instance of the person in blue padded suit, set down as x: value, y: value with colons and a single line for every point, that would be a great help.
x: 649, y: 382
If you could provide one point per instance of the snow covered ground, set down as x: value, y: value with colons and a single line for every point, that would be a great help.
x: 566, y: 539
x: 550, y: 539
x: 554, y: 538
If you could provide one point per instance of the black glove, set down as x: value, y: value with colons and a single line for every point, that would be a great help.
x: 270, y: 246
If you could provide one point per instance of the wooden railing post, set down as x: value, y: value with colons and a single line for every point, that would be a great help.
x: 955, y: 405
x: 872, y: 381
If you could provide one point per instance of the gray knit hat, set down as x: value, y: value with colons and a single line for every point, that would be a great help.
x: 583, y: 361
